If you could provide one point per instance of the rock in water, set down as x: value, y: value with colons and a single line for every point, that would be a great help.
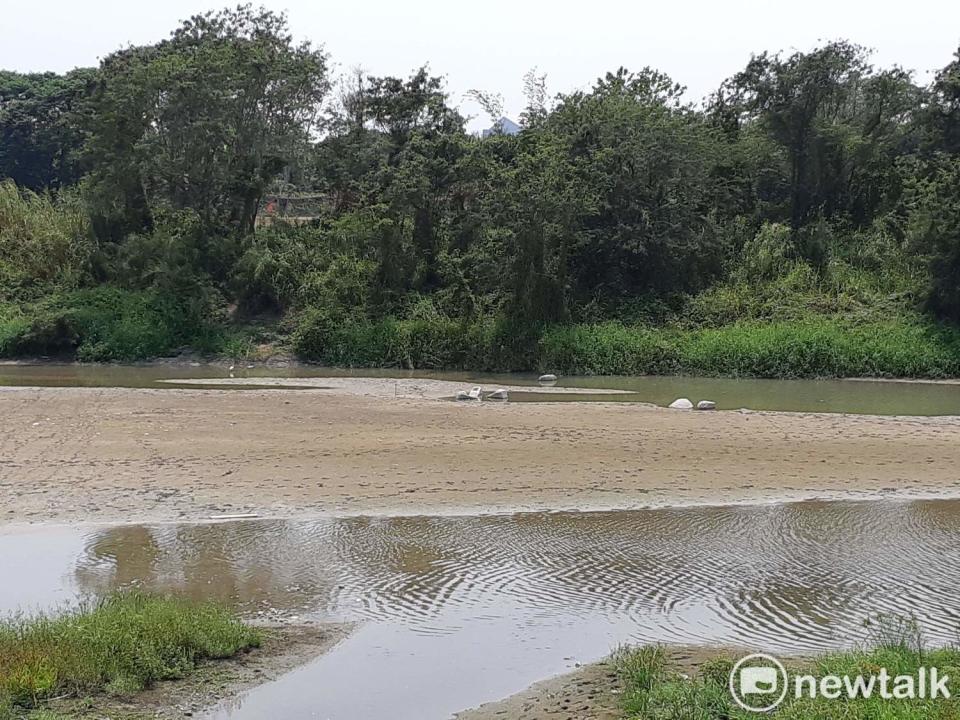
x: 706, y: 405
x: 681, y: 404
x: 548, y: 378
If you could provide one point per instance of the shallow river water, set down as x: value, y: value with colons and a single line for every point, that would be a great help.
x: 455, y: 611
x: 841, y: 396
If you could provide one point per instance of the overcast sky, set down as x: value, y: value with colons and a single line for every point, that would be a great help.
x: 489, y: 45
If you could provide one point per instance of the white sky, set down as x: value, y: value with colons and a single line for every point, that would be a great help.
x: 490, y: 45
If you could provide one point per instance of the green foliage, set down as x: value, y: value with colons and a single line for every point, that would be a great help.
x: 652, y: 690
x: 767, y: 255
x: 809, y: 206
x: 432, y: 342
x: 609, y: 349
x: 120, y: 644
x: 40, y: 137
x: 42, y: 241
x: 245, y: 99
x: 934, y: 229
x: 99, y: 324
x: 818, y: 347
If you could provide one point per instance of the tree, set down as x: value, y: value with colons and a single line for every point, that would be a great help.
x: 800, y: 100
x: 944, y: 109
x: 39, y: 132
x: 646, y: 161
x: 933, y: 199
x: 205, y: 120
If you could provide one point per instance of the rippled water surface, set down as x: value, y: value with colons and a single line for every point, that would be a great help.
x: 456, y: 611
x: 841, y: 396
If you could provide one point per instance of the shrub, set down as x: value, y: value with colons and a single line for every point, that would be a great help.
x: 101, y: 324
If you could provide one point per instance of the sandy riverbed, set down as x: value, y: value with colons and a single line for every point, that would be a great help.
x: 376, y: 446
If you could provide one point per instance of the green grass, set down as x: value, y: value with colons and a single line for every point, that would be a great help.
x: 118, y: 645
x: 435, y: 343
x: 652, y: 690
x: 813, y: 347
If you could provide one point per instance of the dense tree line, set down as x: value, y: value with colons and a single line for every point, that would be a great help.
x: 809, y: 184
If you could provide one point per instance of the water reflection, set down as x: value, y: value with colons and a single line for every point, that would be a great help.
x: 788, y: 571
x: 459, y: 610
x: 256, y: 566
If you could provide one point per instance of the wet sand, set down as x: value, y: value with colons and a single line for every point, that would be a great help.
x: 380, y: 447
x: 589, y: 693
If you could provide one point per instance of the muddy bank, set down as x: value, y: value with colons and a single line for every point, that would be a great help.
x: 283, y: 649
x: 116, y: 454
x: 591, y: 692
x: 588, y: 693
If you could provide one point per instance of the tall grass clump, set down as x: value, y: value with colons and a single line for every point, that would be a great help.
x: 652, y: 690
x: 120, y: 644
x: 42, y: 241
x: 815, y: 347
x: 609, y: 349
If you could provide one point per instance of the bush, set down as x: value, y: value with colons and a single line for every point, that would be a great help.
x: 768, y: 254
x: 122, y: 643
x: 100, y: 324
x: 42, y: 241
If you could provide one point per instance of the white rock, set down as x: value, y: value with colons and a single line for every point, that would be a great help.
x: 706, y: 405
x: 548, y: 378
x: 681, y: 404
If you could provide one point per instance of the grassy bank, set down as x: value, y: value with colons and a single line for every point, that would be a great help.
x: 816, y: 347
x: 652, y: 690
x: 119, y: 645
x: 819, y: 347
x: 109, y: 324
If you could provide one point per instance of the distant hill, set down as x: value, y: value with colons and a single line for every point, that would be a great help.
x: 503, y: 126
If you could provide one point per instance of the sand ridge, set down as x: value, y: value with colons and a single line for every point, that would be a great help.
x: 116, y: 454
